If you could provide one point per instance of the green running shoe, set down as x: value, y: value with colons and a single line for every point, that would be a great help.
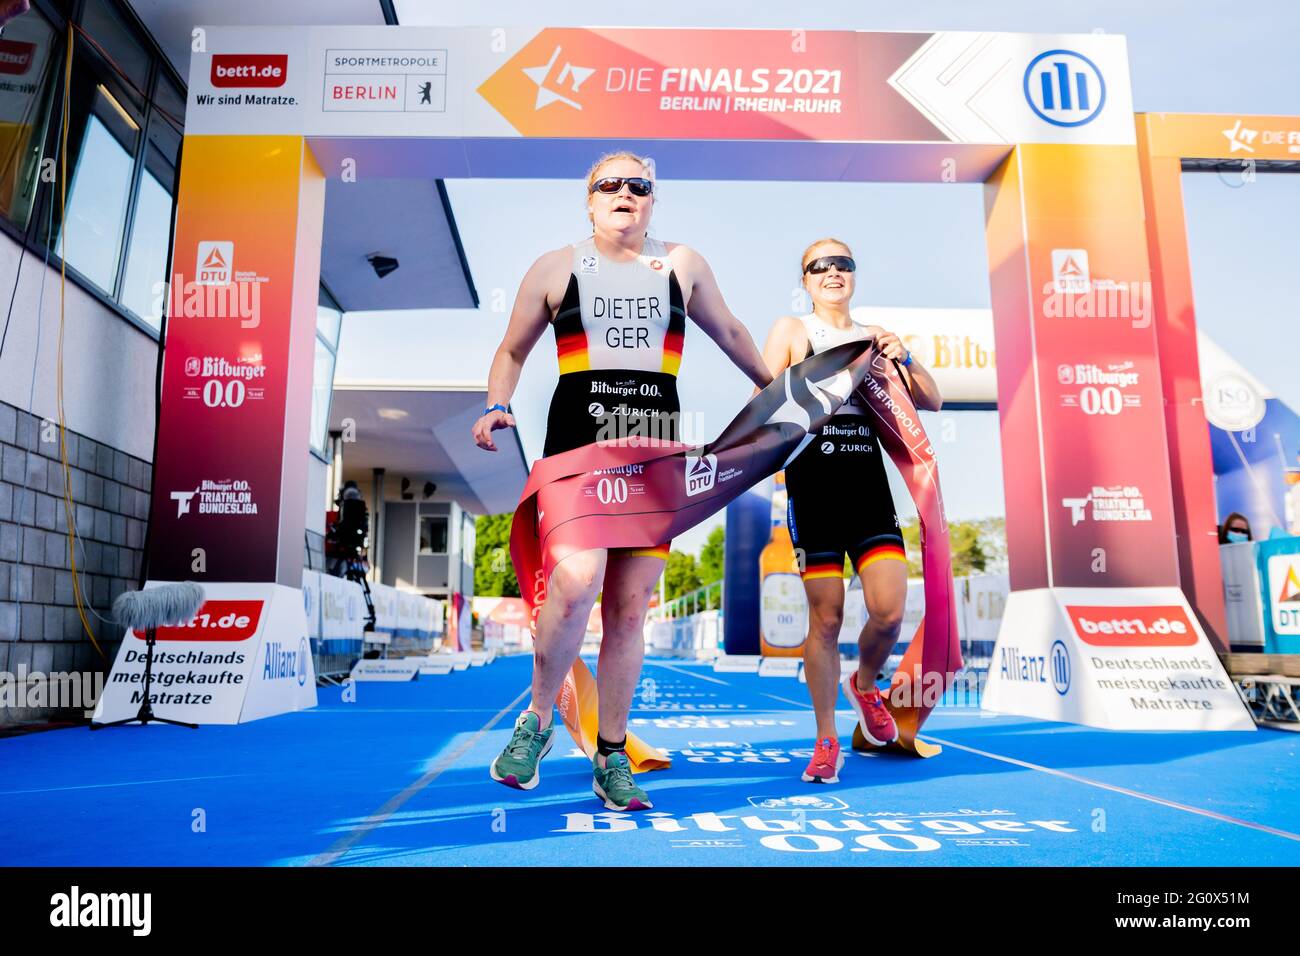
x: 613, y: 783
x: 518, y: 765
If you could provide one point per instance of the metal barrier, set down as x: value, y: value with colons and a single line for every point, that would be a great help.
x: 695, y: 635
x: 1269, y: 684
x: 407, y: 623
x: 704, y: 598
x: 1273, y: 699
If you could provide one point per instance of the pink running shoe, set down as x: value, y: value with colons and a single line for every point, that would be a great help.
x: 875, y: 719
x: 826, y: 762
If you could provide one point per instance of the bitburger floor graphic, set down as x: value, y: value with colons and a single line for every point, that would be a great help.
x: 398, y: 777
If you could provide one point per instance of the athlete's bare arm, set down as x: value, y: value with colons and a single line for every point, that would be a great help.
x: 540, y: 294
x: 705, y: 306
x: 922, y: 386
x: 787, y: 344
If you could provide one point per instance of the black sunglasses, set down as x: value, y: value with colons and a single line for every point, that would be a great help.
x: 824, y: 263
x: 613, y: 184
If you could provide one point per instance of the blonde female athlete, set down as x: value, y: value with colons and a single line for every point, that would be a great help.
x: 838, y: 503
x: 618, y: 303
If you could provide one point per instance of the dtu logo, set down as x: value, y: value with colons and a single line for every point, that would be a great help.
x: 215, y: 263
x: 1284, y: 582
x: 1070, y: 270
x: 1290, y: 590
x: 701, y: 472
x: 569, y: 79
x: 1064, y: 88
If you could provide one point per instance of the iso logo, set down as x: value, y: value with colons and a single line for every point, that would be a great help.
x: 1059, y: 666
x: 1064, y: 88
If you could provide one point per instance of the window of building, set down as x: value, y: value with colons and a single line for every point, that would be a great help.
x: 329, y: 319
x: 99, y: 168
x: 146, y: 256
x: 29, y: 59
x: 433, y: 534
x: 116, y: 43
x: 126, y: 114
x: 126, y: 121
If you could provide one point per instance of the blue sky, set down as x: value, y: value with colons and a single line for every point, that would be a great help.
x: 917, y: 245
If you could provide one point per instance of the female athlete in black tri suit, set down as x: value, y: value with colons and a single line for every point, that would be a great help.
x: 839, y: 503
x: 618, y: 303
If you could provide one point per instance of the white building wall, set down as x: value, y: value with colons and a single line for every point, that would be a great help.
x: 109, y: 364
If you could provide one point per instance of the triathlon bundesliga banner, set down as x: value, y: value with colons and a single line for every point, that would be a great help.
x: 632, y: 493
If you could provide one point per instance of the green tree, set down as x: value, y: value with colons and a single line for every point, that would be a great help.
x: 494, y: 573
x: 911, y: 532
x: 968, y: 555
x: 993, y: 542
x: 966, y: 540
x: 711, y: 556
x: 680, y: 574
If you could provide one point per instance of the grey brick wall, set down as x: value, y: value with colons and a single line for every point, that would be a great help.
x: 39, y: 623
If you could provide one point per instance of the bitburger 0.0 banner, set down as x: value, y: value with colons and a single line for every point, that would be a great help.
x: 665, y: 488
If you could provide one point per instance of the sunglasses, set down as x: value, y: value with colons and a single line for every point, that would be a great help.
x: 824, y: 263
x: 613, y: 184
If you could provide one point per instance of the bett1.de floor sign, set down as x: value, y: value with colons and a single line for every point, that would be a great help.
x: 1139, y: 661
x: 1074, y: 187
x: 244, y: 656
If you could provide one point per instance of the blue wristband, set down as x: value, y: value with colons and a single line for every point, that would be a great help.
x: 496, y: 408
x: 907, y: 361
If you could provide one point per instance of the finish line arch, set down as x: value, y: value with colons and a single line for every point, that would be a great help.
x: 1044, y: 121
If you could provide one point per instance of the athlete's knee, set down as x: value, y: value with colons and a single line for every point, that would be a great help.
x: 828, y: 636
x: 624, y: 618
x: 825, y: 620
x: 888, y: 617
x: 573, y: 585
